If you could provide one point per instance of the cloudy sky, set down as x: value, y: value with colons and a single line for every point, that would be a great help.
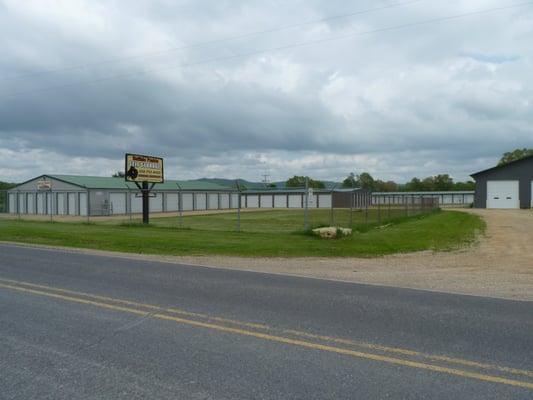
x: 231, y: 88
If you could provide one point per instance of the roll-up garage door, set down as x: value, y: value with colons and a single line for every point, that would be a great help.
x: 172, y: 200
x: 252, y: 201
x: 224, y: 201
x: 61, y: 203
x: 212, y: 201
x: 83, y: 204
x: 187, y: 199
x: 502, y: 194
x: 156, y: 203
x: 200, y: 201
x: 266, y: 201
x: 31, y: 203
x: 118, y: 202
x: 295, y: 201
x: 136, y: 203
x: 72, y: 203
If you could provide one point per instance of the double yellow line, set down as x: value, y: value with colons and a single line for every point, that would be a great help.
x: 288, y: 337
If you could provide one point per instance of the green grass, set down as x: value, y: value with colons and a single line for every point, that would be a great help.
x: 273, y: 234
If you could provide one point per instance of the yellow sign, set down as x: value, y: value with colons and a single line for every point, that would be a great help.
x: 140, y: 168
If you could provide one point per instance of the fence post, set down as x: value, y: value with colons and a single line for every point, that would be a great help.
x: 88, y: 205
x: 238, y: 206
x: 352, y: 194
x: 306, y: 205
x: 180, y: 208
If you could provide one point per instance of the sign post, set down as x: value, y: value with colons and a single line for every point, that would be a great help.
x: 145, y: 172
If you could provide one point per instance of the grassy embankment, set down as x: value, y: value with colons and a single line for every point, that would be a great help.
x: 270, y: 234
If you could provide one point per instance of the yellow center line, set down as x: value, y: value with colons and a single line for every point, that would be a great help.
x: 284, y: 340
x: 377, y: 347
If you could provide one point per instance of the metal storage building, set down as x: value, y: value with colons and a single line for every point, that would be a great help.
x: 505, y: 186
x: 78, y: 195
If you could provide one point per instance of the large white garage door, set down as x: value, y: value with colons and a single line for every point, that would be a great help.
x: 502, y: 194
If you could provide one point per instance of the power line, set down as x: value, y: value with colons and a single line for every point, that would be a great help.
x: 210, y: 42
x: 273, y: 49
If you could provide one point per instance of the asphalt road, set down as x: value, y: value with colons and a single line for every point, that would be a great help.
x: 80, y: 326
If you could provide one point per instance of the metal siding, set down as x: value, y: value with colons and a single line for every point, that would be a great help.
x: 234, y: 200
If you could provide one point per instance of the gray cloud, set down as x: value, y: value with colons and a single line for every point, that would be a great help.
x: 447, y: 97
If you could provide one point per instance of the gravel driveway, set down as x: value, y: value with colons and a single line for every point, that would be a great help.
x: 499, y: 265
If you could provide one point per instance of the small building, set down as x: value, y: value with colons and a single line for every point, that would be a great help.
x: 505, y: 186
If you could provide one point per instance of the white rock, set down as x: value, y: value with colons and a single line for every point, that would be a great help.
x: 331, y: 232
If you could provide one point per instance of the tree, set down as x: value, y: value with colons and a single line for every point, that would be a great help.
x: 388, y: 186
x: 514, y: 155
x: 350, y: 181
x: 365, y: 181
x: 443, y: 182
x: 299, y: 182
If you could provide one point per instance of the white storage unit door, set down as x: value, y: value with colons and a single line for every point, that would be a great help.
x: 172, y: 200
x: 22, y: 203
x: 49, y: 203
x: 295, y: 201
x: 235, y: 200
x: 71, y: 197
x: 224, y: 201
x: 12, y: 203
x: 41, y: 203
x: 252, y: 201
x: 200, y: 201
x: 136, y: 203
x: 324, y: 201
x: 83, y: 204
x: 31, y: 203
x: 502, y: 194
x: 266, y: 201
x: 156, y: 203
x: 186, y: 198
x: 280, y: 201
x: 118, y: 202
x: 212, y: 201
x: 61, y: 203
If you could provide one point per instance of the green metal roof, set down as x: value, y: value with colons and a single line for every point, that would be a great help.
x: 103, y: 182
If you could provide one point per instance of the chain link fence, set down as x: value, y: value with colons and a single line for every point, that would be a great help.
x: 266, y: 211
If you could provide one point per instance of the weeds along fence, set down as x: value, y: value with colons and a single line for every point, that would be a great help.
x: 273, y: 211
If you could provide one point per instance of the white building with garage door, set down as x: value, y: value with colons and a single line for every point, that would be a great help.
x: 79, y: 195
x: 505, y: 186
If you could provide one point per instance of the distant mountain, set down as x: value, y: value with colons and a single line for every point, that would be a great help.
x: 243, y: 183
